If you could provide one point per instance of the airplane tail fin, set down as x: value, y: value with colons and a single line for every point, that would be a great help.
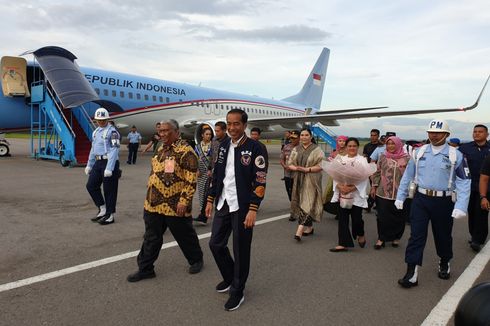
x: 312, y: 91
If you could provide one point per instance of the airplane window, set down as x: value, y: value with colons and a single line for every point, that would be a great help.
x: 147, y: 97
x: 97, y: 91
x: 121, y: 94
x: 180, y: 100
x: 161, y: 99
x: 114, y: 93
x: 106, y: 92
x: 154, y: 98
x: 138, y: 96
x: 167, y: 99
x: 130, y: 95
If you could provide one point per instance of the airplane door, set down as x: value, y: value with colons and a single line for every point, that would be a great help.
x: 14, y: 76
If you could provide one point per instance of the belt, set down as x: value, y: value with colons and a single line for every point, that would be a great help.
x: 434, y: 193
x: 101, y: 157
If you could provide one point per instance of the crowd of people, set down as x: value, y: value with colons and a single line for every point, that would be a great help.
x: 405, y: 182
x: 411, y: 182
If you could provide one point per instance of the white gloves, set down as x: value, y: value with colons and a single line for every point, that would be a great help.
x: 399, y: 204
x: 457, y: 213
x: 107, y: 174
x: 87, y: 170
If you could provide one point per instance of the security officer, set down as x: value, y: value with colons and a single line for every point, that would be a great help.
x: 439, y: 179
x: 134, y: 138
x: 475, y: 153
x: 103, y: 167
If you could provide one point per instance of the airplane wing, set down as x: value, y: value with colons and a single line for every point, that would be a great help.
x: 330, y: 118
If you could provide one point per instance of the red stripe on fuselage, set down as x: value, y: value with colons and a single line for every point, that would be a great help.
x: 175, y: 105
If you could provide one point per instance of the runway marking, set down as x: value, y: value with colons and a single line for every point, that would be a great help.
x: 444, y: 310
x: 105, y: 261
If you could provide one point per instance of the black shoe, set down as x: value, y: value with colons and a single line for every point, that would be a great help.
x: 362, y: 244
x: 338, y: 249
x: 196, y: 267
x: 305, y: 234
x: 201, y: 220
x: 336, y: 217
x: 138, y: 276
x: 234, y: 302
x: 444, y: 270
x: 379, y: 246
x: 475, y: 246
x: 128, y: 162
x: 223, y: 287
x: 395, y: 244
x: 107, y: 219
x: 98, y: 216
x: 292, y: 218
x: 410, y: 278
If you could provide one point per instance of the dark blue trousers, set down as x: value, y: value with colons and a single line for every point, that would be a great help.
x: 477, y: 219
x: 234, y: 272
x: 133, y: 152
x: 438, y: 211
x: 96, y: 179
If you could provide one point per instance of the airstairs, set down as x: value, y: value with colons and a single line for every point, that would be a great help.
x: 326, y: 135
x: 61, y: 127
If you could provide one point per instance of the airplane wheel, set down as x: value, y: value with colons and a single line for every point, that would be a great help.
x: 63, y: 161
x: 4, y: 150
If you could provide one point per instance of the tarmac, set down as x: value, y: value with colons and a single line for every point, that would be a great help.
x: 45, y: 227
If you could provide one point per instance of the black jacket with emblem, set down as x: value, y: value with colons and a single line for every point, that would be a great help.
x: 250, y: 173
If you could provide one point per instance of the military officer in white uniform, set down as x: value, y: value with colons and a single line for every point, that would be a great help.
x: 103, y: 168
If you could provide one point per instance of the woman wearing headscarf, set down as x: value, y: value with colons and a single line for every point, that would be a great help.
x: 306, y: 203
x: 339, y: 146
x: 391, y: 166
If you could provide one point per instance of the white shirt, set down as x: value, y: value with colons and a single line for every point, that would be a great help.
x: 229, y: 192
x: 359, y: 195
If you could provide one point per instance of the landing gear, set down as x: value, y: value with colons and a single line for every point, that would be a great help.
x: 4, y: 150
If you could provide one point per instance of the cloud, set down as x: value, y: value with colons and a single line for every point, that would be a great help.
x: 287, y: 33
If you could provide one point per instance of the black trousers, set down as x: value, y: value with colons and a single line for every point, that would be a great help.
x: 96, y: 179
x: 345, y: 236
x: 438, y: 211
x: 477, y: 219
x: 183, y: 232
x: 390, y: 220
x: 133, y: 152
x: 288, y: 182
x: 234, y: 272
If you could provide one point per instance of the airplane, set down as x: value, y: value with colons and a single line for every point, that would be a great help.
x: 142, y: 101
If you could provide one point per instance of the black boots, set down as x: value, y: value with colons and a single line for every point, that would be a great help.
x: 410, y: 278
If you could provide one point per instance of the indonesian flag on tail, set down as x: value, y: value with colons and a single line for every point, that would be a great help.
x: 317, y: 79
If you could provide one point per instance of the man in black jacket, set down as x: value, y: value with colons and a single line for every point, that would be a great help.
x: 237, y: 188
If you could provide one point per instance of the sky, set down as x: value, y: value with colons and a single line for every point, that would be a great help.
x: 403, y: 54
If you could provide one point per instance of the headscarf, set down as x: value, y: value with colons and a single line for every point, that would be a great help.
x: 337, y: 146
x: 399, y: 152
